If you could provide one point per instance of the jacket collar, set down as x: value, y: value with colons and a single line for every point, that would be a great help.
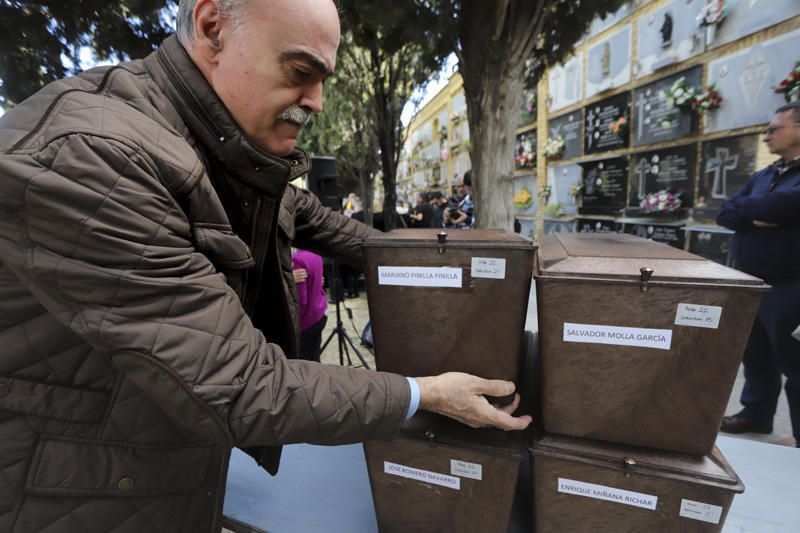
x: 213, y: 126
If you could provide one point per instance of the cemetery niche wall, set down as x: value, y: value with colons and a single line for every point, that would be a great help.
x: 662, y: 182
x: 725, y: 167
x: 662, y: 109
x: 605, y: 184
x: 606, y: 124
x: 667, y: 36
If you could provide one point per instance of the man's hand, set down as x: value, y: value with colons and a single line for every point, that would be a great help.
x: 762, y: 224
x: 300, y: 275
x: 460, y: 396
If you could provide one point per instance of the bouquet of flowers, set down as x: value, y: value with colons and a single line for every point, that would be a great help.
x: 661, y: 202
x: 707, y: 100
x: 619, y: 127
x: 712, y: 13
x: 530, y: 102
x: 575, y: 191
x: 790, y: 85
x: 545, y: 193
x: 681, y: 95
x: 523, y: 199
x: 526, y: 155
x: 554, y: 147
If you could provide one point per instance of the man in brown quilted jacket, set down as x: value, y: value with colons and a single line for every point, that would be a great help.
x: 143, y: 314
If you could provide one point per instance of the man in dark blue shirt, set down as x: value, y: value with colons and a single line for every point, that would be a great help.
x: 765, y: 214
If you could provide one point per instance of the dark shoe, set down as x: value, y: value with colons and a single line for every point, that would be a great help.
x: 740, y: 424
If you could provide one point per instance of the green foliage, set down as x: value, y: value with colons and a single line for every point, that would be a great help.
x: 35, y: 36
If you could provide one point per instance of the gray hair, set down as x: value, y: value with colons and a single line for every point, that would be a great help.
x: 794, y: 107
x: 231, y: 9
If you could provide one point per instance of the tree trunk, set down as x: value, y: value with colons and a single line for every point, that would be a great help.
x: 495, y: 40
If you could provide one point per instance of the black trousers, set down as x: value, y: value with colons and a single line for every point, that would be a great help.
x: 311, y: 341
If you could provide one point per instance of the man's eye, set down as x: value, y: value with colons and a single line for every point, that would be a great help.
x: 302, y: 73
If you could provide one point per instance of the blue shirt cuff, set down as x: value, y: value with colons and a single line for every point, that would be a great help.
x: 413, y: 405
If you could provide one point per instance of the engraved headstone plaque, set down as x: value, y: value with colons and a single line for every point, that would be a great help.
x: 602, y: 23
x: 668, y: 35
x: 568, y: 127
x: 669, y: 170
x: 599, y: 120
x: 565, y: 84
x: 748, y: 16
x: 710, y: 242
x: 604, y: 185
x: 667, y: 234
x: 595, y: 225
x: 746, y: 80
x: 609, y: 62
x: 725, y: 166
x: 655, y: 118
x: 563, y: 180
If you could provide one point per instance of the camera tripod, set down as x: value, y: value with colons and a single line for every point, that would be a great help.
x: 337, y: 292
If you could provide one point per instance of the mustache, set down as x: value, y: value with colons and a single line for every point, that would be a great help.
x: 296, y: 114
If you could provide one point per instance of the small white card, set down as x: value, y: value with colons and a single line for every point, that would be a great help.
x: 463, y: 469
x: 598, y: 334
x: 489, y: 267
x: 420, y: 276
x: 609, y: 494
x: 425, y: 476
x: 705, y: 512
x: 698, y: 316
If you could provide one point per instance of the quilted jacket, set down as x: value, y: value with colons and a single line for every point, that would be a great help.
x: 143, y: 282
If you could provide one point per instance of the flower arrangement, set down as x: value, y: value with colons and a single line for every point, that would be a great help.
x: 554, y: 147
x: 661, y: 202
x: 712, y: 13
x: 457, y: 118
x: 443, y: 133
x: 681, y: 95
x: 619, y: 127
x: 708, y: 99
x: 576, y: 191
x: 530, y: 102
x: 545, y: 193
x: 526, y: 155
x: 789, y: 86
x: 523, y: 199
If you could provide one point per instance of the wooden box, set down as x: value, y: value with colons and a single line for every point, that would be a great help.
x: 440, y: 476
x: 585, y: 485
x: 454, y: 305
x: 640, y: 343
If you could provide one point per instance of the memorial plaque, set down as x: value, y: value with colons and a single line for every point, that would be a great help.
x: 609, y: 62
x: 655, y: 118
x: 527, y: 115
x: 569, y: 128
x: 670, y: 170
x: 605, y: 184
x: 563, y: 179
x: 596, y: 225
x: 525, y: 152
x: 712, y: 243
x: 558, y: 225
x: 602, y: 23
x: 725, y: 167
x: 667, y: 234
x: 565, y: 84
x: 746, y: 82
x: 746, y: 17
x: 525, y: 195
x: 599, y: 121
x: 668, y: 35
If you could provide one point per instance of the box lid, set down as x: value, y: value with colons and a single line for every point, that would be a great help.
x: 713, y: 469
x: 622, y: 256
x: 466, y: 238
x: 437, y: 428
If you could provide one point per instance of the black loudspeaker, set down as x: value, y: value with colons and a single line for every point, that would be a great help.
x: 323, y: 183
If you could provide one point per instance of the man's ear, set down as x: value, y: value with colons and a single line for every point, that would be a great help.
x: 208, y: 22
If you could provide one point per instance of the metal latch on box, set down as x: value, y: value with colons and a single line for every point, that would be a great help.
x: 441, y: 237
x: 645, y: 273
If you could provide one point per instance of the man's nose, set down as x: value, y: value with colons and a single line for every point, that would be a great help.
x: 311, y: 98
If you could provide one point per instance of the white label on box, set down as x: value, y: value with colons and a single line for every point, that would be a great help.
x: 425, y: 476
x: 420, y: 276
x: 470, y: 470
x: 489, y: 267
x: 598, y: 334
x: 609, y: 494
x: 698, y: 316
x: 705, y: 512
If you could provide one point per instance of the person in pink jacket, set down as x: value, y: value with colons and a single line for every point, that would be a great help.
x: 312, y: 304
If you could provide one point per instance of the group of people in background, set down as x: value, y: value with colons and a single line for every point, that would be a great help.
x: 434, y: 210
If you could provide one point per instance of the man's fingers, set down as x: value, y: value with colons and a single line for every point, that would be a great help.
x: 510, y: 408
x: 494, y: 387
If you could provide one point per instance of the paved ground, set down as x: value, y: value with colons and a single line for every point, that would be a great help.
x: 354, y: 327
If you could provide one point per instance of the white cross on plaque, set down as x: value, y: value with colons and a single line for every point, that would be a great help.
x: 719, y: 165
x: 642, y: 170
x: 753, y: 77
